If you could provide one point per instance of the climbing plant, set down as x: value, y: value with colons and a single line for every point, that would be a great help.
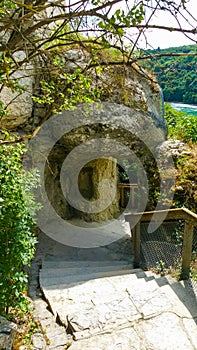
x: 66, y: 90
x: 17, y: 240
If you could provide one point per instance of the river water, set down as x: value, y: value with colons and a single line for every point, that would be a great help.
x: 189, y: 109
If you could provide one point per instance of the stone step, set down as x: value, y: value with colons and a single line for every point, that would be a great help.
x: 123, y: 339
x: 162, y: 332
x: 185, y: 294
x: 48, y: 264
x: 80, y: 271
x: 95, y: 304
x: 76, y: 284
x: 151, y: 299
x: 145, y: 302
x: 107, y: 304
x: 84, y: 286
x: 101, y: 254
x: 182, y: 289
x: 103, y: 301
x: 67, y: 280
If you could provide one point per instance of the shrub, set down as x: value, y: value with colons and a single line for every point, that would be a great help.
x: 184, y: 127
x: 17, y: 242
x: 181, y: 125
x: 185, y: 189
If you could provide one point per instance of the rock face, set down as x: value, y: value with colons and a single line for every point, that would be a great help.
x: 93, y: 182
x: 131, y: 86
x: 83, y: 147
x: 7, y: 333
x: 107, y: 131
x: 173, y: 148
x: 19, y: 104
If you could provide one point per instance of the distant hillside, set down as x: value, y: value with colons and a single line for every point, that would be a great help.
x: 176, y: 75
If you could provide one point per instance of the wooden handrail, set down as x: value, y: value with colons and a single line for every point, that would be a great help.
x: 170, y: 214
x: 122, y: 187
x: 188, y: 216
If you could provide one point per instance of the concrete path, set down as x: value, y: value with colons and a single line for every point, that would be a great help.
x: 101, y: 303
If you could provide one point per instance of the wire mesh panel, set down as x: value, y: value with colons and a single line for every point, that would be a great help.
x: 194, y: 262
x: 194, y: 247
x: 163, y: 245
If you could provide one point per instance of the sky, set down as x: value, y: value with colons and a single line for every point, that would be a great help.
x: 162, y: 38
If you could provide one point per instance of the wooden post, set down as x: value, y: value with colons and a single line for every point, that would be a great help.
x: 133, y: 235
x: 187, y: 250
x: 122, y: 188
x: 132, y: 197
x: 137, y: 245
x: 122, y: 197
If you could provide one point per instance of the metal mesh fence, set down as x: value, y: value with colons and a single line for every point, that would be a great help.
x: 164, y: 245
x: 195, y: 242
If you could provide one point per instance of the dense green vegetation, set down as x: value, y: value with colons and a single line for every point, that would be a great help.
x: 181, y: 125
x: 176, y: 74
x: 17, y: 241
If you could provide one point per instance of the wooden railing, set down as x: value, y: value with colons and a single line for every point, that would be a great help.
x: 188, y: 216
x: 122, y: 187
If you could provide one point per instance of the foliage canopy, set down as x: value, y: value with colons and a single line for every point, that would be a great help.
x: 38, y: 31
x: 37, y: 27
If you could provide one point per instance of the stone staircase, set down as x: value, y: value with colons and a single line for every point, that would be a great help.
x: 107, y: 305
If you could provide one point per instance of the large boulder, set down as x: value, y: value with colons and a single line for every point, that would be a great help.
x: 7, y: 333
x: 18, y: 103
x: 83, y: 148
